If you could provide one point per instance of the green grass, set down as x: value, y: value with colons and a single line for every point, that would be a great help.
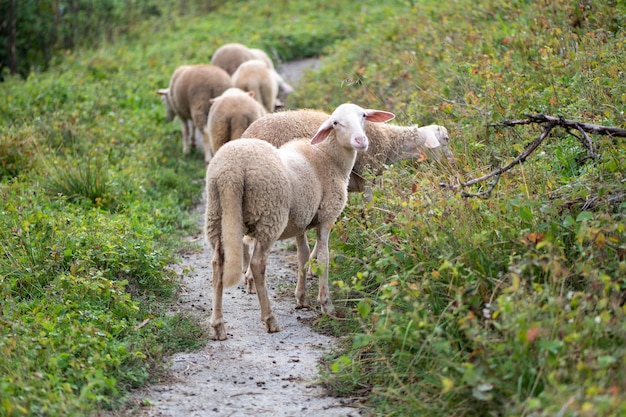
x: 506, y: 306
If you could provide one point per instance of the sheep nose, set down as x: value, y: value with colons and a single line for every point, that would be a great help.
x: 361, y: 142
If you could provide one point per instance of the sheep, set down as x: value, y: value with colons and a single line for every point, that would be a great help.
x: 284, y: 89
x: 255, y: 76
x: 231, y: 55
x: 171, y: 111
x: 388, y: 143
x: 189, y: 97
x: 230, y: 115
x: 267, y: 194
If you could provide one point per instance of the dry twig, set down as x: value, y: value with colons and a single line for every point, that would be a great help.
x: 550, y: 123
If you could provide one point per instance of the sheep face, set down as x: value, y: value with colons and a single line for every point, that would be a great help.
x: 348, y: 122
x: 169, y: 109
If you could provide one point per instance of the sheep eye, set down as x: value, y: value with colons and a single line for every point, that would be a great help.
x: 335, y: 123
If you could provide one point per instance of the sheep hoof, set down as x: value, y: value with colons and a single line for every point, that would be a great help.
x: 250, y: 287
x: 300, y: 306
x: 328, y: 309
x: 272, y: 325
x: 219, y: 332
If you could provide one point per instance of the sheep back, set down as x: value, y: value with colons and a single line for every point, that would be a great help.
x: 255, y: 76
x: 253, y: 168
x: 194, y: 89
x: 230, y: 115
x: 229, y: 56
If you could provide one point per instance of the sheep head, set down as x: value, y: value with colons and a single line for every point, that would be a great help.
x: 169, y: 109
x: 348, y: 123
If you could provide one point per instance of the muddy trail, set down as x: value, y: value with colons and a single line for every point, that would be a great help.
x: 253, y: 373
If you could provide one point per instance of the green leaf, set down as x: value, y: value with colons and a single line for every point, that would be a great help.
x: 364, y: 308
x: 340, y: 363
x: 525, y: 213
x: 584, y: 215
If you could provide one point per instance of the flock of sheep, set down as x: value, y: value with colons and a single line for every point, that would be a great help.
x: 273, y: 175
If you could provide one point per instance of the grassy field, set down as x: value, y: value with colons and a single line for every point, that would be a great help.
x: 510, y: 305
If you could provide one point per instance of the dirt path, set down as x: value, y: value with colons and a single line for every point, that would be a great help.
x: 253, y: 373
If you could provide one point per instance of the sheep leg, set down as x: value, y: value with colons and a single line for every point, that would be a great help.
x: 187, y: 132
x: 208, y: 150
x: 303, y: 257
x: 312, y: 258
x: 249, y: 279
x: 217, y: 315
x: 323, y: 233
x: 258, y: 263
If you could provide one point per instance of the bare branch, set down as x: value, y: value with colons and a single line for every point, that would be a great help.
x: 570, y: 124
x: 550, y: 123
x: 497, y: 172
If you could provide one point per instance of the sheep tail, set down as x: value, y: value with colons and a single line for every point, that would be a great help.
x: 232, y: 234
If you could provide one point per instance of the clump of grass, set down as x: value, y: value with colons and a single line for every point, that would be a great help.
x: 85, y: 180
x: 17, y: 153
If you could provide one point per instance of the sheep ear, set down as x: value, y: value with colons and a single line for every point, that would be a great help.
x: 322, y: 132
x: 378, y: 115
x: 162, y: 91
x: 432, y: 142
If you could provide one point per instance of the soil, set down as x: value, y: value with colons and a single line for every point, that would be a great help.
x: 252, y: 373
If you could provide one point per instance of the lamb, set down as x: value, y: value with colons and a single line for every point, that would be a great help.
x: 388, y: 143
x: 230, y: 115
x: 267, y: 194
x: 189, y: 97
x: 255, y: 76
x: 231, y: 55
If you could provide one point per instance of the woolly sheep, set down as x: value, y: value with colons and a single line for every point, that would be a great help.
x: 230, y: 115
x: 189, y: 97
x: 254, y: 76
x: 388, y: 143
x: 266, y: 193
x: 284, y: 89
x: 171, y: 111
x: 231, y: 55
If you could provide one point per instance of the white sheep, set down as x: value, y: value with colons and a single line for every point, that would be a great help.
x: 388, y: 143
x: 231, y: 55
x: 255, y: 76
x: 230, y: 115
x: 266, y: 193
x: 189, y: 97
